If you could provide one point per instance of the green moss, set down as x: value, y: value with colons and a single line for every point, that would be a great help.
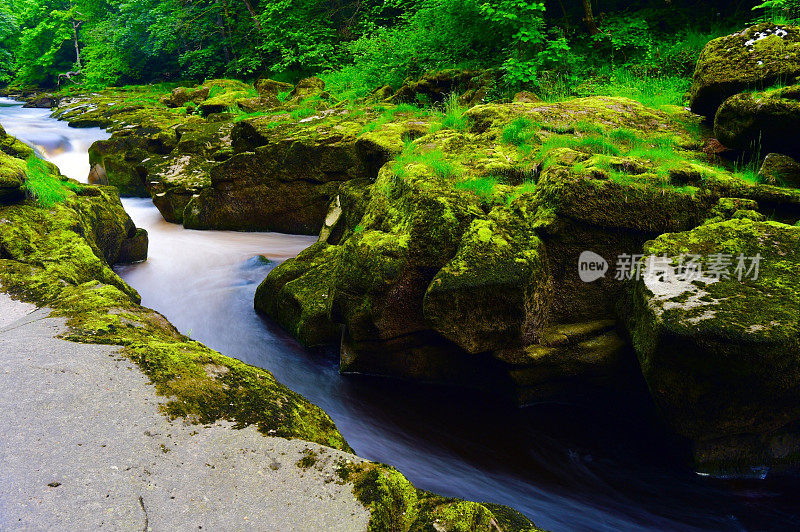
x: 396, y: 505
x: 309, y: 459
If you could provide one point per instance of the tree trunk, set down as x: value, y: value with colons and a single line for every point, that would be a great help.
x: 588, y: 18
x: 75, y: 26
x: 253, y: 13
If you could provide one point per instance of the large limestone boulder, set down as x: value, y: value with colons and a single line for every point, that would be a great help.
x: 763, y: 122
x: 754, y: 58
x: 461, y: 260
x: 286, y: 172
x: 721, y: 354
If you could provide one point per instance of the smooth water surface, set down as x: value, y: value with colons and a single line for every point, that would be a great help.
x: 566, y: 468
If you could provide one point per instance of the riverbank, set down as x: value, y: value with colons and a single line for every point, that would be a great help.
x: 87, y: 446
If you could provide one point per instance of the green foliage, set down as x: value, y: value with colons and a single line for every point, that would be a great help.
x: 359, y: 45
x: 780, y: 11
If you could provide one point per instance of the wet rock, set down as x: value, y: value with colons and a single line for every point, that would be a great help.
x: 572, y: 362
x: 134, y: 249
x: 754, y: 58
x: 42, y: 102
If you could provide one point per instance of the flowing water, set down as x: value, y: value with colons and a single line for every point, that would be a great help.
x: 567, y: 468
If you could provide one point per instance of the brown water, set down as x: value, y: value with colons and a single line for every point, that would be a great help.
x: 567, y: 468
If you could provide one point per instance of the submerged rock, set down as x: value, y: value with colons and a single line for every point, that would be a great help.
x: 720, y: 354
x: 754, y: 58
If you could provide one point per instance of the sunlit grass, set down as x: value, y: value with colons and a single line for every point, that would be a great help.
x: 46, y: 188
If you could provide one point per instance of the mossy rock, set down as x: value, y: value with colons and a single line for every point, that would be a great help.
x: 269, y: 87
x: 780, y: 170
x: 307, y: 88
x: 283, y: 178
x: 720, y: 355
x: 496, y: 290
x: 763, y: 122
x: 181, y: 96
x: 12, y: 177
x: 471, y: 86
x: 754, y: 58
x: 297, y: 295
x: 395, y: 504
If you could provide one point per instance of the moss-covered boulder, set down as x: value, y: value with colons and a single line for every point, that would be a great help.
x: 470, y: 86
x: 307, y: 88
x: 12, y: 177
x: 496, y: 290
x: 269, y: 87
x: 181, y: 96
x: 395, y: 504
x: 762, y: 122
x: 571, y: 362
x: 462, y: 258
x: 719, y: 349
x: 754, y: 58
x: 297, y: 295
x: 780, y: 170
x: 286, y: 172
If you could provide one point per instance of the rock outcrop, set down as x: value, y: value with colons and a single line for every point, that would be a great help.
x: 460, y: 263
x: 763, y: 122
x: 720, y: 352
x: 754, y: 58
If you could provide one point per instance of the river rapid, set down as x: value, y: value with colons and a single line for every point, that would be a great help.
x: 567, y: 468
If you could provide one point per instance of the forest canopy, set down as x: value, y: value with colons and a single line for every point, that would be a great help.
x: 359, y: 44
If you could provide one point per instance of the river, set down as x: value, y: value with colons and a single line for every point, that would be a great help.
x: 567, y: 468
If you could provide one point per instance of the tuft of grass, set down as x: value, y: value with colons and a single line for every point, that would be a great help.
x: 47, y: 189
x: 483, y: 187
x: 302, y: 112
x: 283, y: 95
x: 454, y: 115
x: 519, y: 132
x: 434, y: 160
x: 527, y: 187
x: 389, y: 114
